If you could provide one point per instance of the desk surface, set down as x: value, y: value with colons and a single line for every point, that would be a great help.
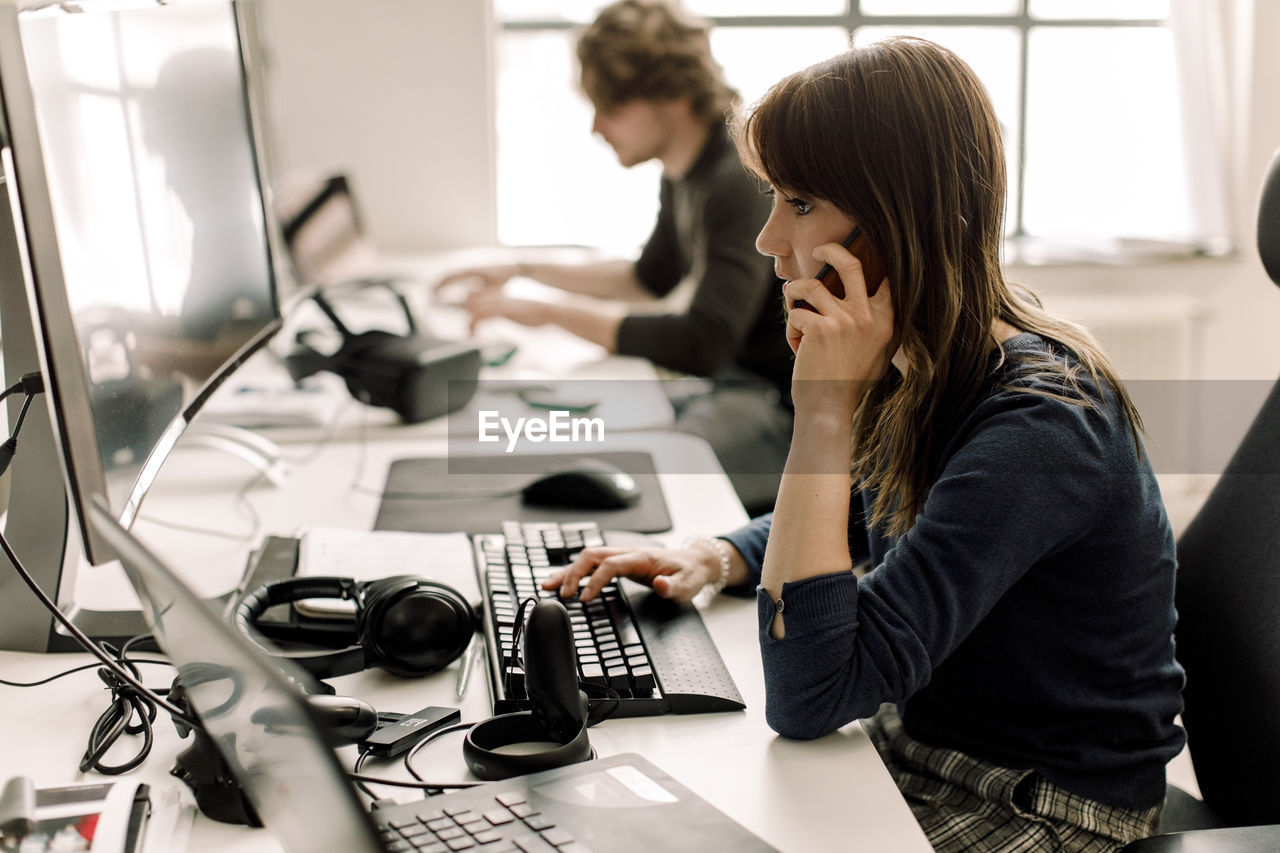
x: 829, y: 794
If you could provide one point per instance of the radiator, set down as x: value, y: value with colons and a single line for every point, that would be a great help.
x: 1153, y: 336
x: 1156, y: 343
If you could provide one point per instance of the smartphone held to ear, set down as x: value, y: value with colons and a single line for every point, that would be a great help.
x: 873, y: 268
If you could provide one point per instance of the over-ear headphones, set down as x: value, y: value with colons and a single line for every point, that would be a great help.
x: 406, y: 625
x: 559, y: 712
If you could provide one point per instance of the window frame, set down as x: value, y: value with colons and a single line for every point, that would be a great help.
x: 1020, y: 246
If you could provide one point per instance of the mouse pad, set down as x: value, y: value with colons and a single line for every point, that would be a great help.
x: 424, y: 496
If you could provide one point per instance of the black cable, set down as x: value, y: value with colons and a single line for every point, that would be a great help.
x: 433, y: 788
x: 359, y: 780
x: 130, y: 712
x: 72, y: 671
x: 88, y: 644
x: 127, y: 706
x: 428, y: 788
x: 31, y: 384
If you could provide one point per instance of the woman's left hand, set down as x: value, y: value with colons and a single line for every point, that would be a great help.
x: 843, y: 345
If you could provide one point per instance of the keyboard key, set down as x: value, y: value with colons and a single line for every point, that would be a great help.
x: 427, y: 844
x: 556, y: 837
x: 499, y: 817
x: 510, y: 799
x: 642, y: 678
x: 533, y: 844
x: 594, y: 673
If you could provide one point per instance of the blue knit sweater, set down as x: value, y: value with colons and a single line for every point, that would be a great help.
x: 1027, y: 616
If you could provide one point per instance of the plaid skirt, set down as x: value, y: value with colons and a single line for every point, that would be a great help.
x: 964, y: 804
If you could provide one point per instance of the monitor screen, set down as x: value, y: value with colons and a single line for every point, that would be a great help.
x: 157, y: 274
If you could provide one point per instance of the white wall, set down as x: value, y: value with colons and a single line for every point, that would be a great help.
x: 399, y: 92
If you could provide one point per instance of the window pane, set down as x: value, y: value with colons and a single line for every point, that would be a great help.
x: 754, y: 58
x: 992, y: 53
x: 581, y: 11
x: 557, y: 183
x: 731, y: 8
x: 1105, y: 155
x: 939, y: 7
x: 1100, y: 9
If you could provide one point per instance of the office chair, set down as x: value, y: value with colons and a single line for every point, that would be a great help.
x: 1228, y: 633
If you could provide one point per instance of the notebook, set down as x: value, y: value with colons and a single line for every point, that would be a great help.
x: 274, y: 744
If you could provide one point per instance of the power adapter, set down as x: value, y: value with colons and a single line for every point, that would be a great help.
x: 400, y: 735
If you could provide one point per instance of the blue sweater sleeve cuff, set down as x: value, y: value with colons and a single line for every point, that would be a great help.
x: 811, y: 605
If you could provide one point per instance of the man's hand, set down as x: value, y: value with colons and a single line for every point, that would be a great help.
x: 492, y: 302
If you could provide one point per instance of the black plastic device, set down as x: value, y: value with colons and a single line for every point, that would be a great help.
x: 559, y: 712
x: 873, y: 268
x: 417, y: 376
x: 393, y: 738
x: 551, y: 671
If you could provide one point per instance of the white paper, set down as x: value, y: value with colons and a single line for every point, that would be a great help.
x: 373, y: 554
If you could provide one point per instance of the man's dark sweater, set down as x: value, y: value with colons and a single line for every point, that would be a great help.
x: 707, y: 226
x: 1027, y: 616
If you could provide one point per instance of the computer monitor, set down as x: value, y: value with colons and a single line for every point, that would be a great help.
x: 138, y: 248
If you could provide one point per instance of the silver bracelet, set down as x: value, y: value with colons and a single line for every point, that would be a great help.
x: 721, y: 549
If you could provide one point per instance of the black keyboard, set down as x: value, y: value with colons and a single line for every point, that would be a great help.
x: 654, y: 653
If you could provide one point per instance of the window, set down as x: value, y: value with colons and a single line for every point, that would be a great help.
x: 1087, y: 92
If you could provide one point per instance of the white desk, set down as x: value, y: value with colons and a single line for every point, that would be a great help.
x: 830, y: 794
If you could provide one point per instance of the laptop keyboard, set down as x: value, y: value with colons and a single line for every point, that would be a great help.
x: 655, y: 654
x: 506, y: 823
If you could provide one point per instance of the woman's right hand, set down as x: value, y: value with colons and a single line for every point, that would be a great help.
x: 844, y: 344
x: 673, y: 573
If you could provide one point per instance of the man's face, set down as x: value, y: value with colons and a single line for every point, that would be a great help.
x: 637, y: 130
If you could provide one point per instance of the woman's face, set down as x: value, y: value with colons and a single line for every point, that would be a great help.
x: 796, y: 225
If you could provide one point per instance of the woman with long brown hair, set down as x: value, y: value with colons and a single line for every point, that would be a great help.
x: 1012, y: 639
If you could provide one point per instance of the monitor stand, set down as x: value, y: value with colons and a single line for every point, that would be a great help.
x: 37, y: 521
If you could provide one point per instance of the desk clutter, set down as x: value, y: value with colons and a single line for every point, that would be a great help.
x: 266, y: 749
x: 638, y: 653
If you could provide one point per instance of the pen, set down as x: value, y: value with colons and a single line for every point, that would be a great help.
x: 468, y: 663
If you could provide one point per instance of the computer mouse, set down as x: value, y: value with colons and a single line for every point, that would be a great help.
x: 589, y: 484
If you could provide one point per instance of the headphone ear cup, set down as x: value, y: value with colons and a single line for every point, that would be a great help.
x: 412, y: 626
